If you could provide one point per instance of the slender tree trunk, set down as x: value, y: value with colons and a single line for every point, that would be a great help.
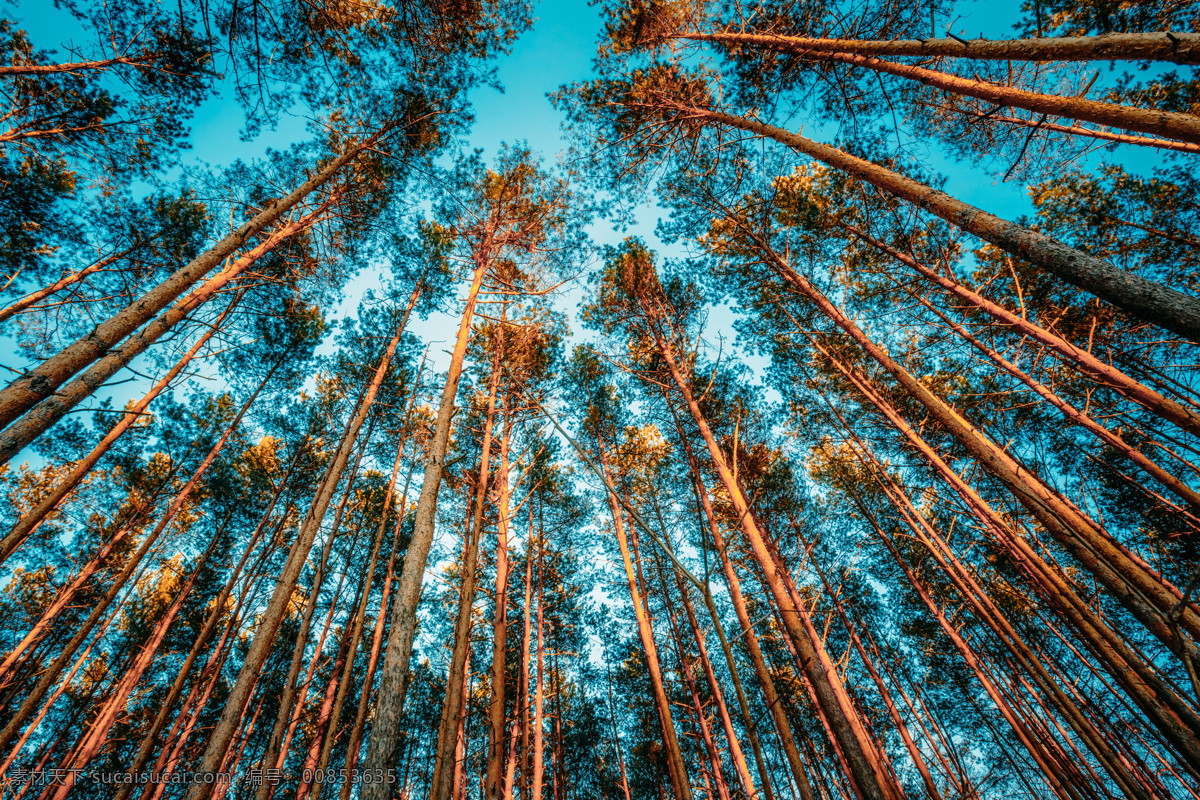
x: 1178, y: 48
x: 447, y: 745
x: 538, y: 723
x: 496, y: 707
x: 678, y: 767
x: 39, y: 383
x: 50, y: 674
x: 264, y: 637
x: 393, y: 679
x: 1088, y: 364
x: 762, y: 671
x: 860, y: 764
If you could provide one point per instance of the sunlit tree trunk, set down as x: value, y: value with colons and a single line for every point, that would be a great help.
x: 1178, y: 48
x: 28, y: 523
x: 1137, y: 296
x: 860, y: 764
x: 39, y: 383
x: 393, y: 678
x: 678, y: 767
x: 264, y: 637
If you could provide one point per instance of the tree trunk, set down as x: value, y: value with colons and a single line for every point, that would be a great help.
x: 39, y: 383
x: 28, y: 523
x: 1137, y: 296
x: 860, y: 765
x: 264, y: 637
x: 393, y: 679
x: 1178, y: 48
x: 441, y: 785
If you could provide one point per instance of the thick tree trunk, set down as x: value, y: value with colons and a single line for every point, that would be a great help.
x: 1178, y: 48
x: 1137, y: 296
x: 33, y: 386
x: 28, y: 523
x: 49, y: 411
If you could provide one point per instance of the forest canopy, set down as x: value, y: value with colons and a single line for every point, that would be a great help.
x: 814, y: 415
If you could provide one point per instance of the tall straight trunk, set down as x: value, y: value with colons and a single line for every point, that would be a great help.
x: 783, y: 726
x: 70, y: 591
x: 51, y: 673
x: 91, y: 743
x: 499, y: 673
x: 538, y: 724
x: 441, y: 787
x: 737, y: 756
x: 291, y: 700
x: 360, y: 717
x: 1091, y: 366
x: 264, y: 637
x: 359, y: 622
x: 38, y: 419
x: 526, y: 646
x: 1178, y: 48
x: 393, y: 678
x: 29, y: 522
x: 1137, y: 296
x: 326, y: 723
x: 860, y: 764
x: 1145, y: 593
x: 678, y: 767
x: 612, y: 718
x: 36, y: 384
x: 149, y: 738
x: 296, y: 703
x: 914, y: 752
x: 685, y: 669
x: 458, y: 785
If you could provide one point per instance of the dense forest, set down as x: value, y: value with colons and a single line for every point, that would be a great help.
x: 820, y: 483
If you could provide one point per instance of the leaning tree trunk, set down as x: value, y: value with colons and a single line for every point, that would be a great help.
x: 49, y: 411
x: 1137, y: 296
x: 28, y: 523
x: 1178, y: 48
x: 39, y: 383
